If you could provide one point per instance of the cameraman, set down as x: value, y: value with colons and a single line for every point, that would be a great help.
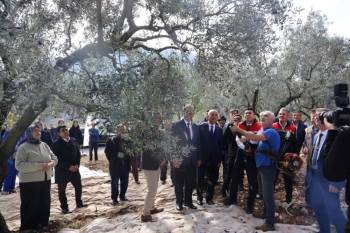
x: 337, y: 160
x: 321, y: 194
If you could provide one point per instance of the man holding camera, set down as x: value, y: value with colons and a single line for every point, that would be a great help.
x: 230, y: 151
x: 245, y: 158
x: 322, y: 194
x: 337, y: 160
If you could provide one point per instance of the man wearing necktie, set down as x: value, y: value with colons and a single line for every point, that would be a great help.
x: 211, y: 148
x: 184, y: 171
x: 322, y: 194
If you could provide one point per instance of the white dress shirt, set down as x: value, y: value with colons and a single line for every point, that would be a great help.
x: 189, y: 124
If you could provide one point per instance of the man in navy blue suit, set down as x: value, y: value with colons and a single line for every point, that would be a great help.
x: 211, y: 149
x: 184, y: 171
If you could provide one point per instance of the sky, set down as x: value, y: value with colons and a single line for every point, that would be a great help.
x: 337, y: 12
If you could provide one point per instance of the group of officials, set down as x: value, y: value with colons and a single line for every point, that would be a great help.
x: 243, y: 146
x: 263, y: 149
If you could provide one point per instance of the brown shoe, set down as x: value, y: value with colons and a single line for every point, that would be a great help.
x: 155, y: 210
x: 146, y: 218
x: 265, y: 227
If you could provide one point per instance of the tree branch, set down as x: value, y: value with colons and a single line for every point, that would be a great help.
x: 99, y: 22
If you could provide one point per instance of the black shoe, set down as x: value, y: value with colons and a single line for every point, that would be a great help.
x: 163, y: 182
x: 124, y: 199
x: 228, y: 201
x: 200, y: 202
x: 179, y: 207
x: 82, y: 205
x: 210, y: 202
x: 191, y: 206
x: 265, y: 227
x: 115, y: 202
x: 66, y: 211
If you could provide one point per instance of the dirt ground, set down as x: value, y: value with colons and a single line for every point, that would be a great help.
x: 96, y: 193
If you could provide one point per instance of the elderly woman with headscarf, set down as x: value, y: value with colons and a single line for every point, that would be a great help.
x: 34, y: 161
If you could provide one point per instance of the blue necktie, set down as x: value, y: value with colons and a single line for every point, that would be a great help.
x: 188, y: 132
x: 316, y: 151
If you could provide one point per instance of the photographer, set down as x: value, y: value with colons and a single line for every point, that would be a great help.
x: 245, y: 159
x: 322, y: 194
x: 337, y: 160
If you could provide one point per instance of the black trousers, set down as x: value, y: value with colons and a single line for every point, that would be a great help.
x: 35, y: 204
x: 93, y: 146
x: 206, y: 180
x: 288, y: 185
x: 229, y: 162
x: 119, y: 174
x: 347, y: 194
x: 75, y: 180
x: 248, y: 164
x: 1, y: 183
x: 164, y: 170
x: 184, y: 182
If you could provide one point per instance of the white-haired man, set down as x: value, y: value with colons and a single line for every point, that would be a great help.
x: 269, y: 144
x: 211, y: 149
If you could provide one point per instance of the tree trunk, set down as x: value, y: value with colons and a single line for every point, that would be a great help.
x: 7, y: 147
x: 255, y: 100
x: 29, y: 115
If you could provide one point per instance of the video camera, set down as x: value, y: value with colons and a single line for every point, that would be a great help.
x: 341, y: 116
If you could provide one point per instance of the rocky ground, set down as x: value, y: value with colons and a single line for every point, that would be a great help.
x: 102, y: 216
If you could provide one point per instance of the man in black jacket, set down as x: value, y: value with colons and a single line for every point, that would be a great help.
x: 119, y: 165
x: 211, y: 149
x: 184, y: 170
x: 337, y: 160
x: 67, y: 170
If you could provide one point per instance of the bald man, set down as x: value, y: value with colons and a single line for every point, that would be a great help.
x: 211, y: 149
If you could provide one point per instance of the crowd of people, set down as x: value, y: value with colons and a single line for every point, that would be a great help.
x: 263, y: 149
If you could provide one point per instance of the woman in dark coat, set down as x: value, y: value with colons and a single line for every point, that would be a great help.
x: 76, y: 133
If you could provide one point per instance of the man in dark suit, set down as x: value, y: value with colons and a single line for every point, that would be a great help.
x: 119, y: 165
x: 67, y: 170
x: 321, y: 194
x: 300, y: 130
x: 184, y: 170
x: 211, y: 149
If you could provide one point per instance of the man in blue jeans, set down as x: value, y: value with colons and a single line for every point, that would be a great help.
x: 322, y: 194
x: 269, y: 144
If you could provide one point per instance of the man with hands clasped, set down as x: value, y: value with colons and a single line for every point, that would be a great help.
x: 184, y: 171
